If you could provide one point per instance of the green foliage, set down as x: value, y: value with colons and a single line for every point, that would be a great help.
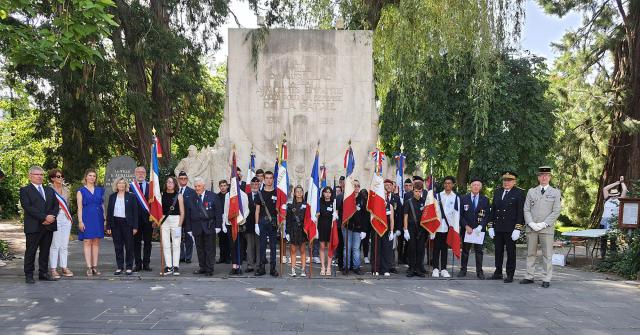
x: 56, y: 33
x: 625, y: 262
x: 4, y: 249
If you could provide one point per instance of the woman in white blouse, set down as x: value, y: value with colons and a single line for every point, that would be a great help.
x: 122, y: 224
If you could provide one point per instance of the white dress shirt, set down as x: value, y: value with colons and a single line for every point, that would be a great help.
x: 453, y: 215
x: 118, y: 209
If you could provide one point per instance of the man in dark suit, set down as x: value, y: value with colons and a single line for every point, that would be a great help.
x: 145, y: 226
x: 252, y: 239
x: 473, y: 220
x: 223, y: 237
x: 186, y: 245
x: 205, y: 221
x: 40, y: 210
x: 506, y: 222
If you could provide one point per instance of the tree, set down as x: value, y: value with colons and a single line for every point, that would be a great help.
x: 606, y: 55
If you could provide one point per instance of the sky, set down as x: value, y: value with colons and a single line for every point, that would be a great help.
x: 539, y: 32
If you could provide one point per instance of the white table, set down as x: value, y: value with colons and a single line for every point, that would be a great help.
x: 588, y: 235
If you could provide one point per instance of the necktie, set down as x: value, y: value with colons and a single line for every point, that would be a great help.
x: 202, y: 197
x: 41, y: 191
x: 141, y: 189
x: 504, y: 194
x: 475, y: 202
x: 542, y: 191
x: 181, y: 190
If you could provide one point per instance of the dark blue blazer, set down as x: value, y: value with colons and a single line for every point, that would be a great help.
x: 36, y: 209
x: 130, y: 210
x: 204, y: 216
x: 468, y: 216
x: 187, y: 195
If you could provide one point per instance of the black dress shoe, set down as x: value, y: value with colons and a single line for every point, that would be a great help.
x: 393, y: 270
x: 146, y: 267
x: 421, y: 274
x: 462, y: 273
x: 508, y: 280
x: 233, y: 272
x: 29, y: 280
x: 137, y: 268
x: 410, y: 274
x: 188, y: 261
x: 358, y: 272
x: 545, y: 284
x: 274, y: 273
x: 249, y: 269
x: 526, y: 281
x: 496, y: 276
x: 238, y: 271
x: 46, y: 277
x: 209, y: 274
x: 117, y: 272
x: 260, y: 272
x: 199, y: 272
x: 480, y: 275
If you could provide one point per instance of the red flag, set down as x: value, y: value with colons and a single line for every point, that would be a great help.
x: 234, y: 215
x: 376, y: 205
x: 453, y: 240
x: 430, y: 218
x: 333, y: 238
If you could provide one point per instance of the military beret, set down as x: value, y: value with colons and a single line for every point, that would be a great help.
x: 342, y: 178
x: 388, y: 181
x: 255, y: 180
x: 407, y: 181
x: 182, y: 174
x: 417, y: 178
x: 475, y: 179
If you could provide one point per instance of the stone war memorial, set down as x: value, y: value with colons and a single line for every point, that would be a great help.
x: 312, y: 85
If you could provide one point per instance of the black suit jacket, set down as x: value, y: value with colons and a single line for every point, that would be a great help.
x: 205, y: 216
x: 186, y: 196
x: 36, y: 209
x: 469, y: 217
x: 507, y: 214
x: 251, y: 219
x: 130, y: 209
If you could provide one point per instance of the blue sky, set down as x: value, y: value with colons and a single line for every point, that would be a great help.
x: 539, y: 32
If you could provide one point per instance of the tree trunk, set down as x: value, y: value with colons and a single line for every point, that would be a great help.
x: 159, y: 75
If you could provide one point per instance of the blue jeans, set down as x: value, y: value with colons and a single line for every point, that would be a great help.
x: 268, y: 230
x: 351, y: 239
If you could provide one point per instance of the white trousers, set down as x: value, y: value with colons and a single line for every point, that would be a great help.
x: 171, y: 234
x: 59, y: 250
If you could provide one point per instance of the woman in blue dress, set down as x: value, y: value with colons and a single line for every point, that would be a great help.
x: 91, y: 220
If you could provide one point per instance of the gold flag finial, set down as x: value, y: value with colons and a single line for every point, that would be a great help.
x: 402, y: 147
x: 153, y: 130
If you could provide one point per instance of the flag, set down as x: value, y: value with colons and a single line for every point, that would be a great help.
x: 453, y: 236
x: 155, y: 198
x: 333, y: 238
x: 323, y: 177
x: 349, y: 201
x: 235, y: 214
x: 282, y: 184
x: 430, y: 218
x: 313, y: 201
x: 376, y: 204
x: 251, y: 172
x: 400, y: 161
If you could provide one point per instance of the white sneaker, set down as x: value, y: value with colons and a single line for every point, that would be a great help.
x: 445, y: 274
x: 316, y: 260
x: 293, y: 272
x: 303, y: 274
x: 366, y: 260
x: 435, y: 273
x: 387, y: 274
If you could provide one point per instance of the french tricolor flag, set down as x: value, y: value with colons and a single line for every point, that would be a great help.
x: 282, y: 184
x: 155, y: 198
x: 251, y: 172
x: 376, y: 203
x: 235, y: 214
x: 349, y: 201
x: 313, y: 201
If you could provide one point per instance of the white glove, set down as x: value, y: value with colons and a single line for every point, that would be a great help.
x: 406, y: 235
x: 515, y: 235
x: 542, y: 225
x: 224, y: 228
x: 398, y: 233
x: 257, y: 228
x: 533, y: 225
x: 432, y: 236
x: 363, y: 235
x: 288, y: 237
x: 492, y: 233
x: 217, y: 230
x: 391, y: 236
x: 477, y: 229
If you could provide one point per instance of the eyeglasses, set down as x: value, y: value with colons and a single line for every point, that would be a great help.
x: 59, y: 176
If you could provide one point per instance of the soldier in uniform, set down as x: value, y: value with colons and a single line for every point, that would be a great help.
x: 506, y: 222
x: 541, y: 210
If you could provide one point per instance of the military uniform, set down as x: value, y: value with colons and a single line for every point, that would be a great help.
x: 541, y: 210
x: 506, y: 217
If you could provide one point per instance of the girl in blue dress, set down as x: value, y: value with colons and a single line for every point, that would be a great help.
x: 91, y: 217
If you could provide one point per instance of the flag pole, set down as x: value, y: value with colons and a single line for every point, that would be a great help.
x: 375, y: 239
x: 429, y: 244
x: 347, y: 262
x: 153, y: 130
x: 278, y: 213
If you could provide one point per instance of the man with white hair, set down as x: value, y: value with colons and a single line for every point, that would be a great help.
x: 205, y: 214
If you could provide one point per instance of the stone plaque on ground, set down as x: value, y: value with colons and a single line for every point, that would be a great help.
x: 315, y: 85
x: 120, y: 166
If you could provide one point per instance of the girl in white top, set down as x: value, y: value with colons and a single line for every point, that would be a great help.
x: 58, y: 253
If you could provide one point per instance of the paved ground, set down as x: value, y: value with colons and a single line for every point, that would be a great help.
x: 578, y: 302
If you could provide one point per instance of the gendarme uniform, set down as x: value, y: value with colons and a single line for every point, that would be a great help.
x: 506, y: 222
x: 541, y: 210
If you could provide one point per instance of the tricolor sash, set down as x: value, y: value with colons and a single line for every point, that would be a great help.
x: 140, y: 195
x: 63, y: 206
